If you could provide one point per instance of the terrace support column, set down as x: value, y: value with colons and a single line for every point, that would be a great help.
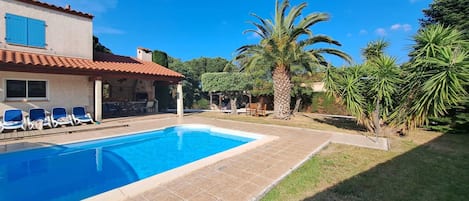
x: 98, y: 98
x: 180, y: 103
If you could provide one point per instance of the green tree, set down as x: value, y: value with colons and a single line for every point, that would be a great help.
x: 383, y: 80
x: 453, y: 13
x: 436, y: 75
x: 285, y: 41
x: 367, y: 90
x: 187, y: 83
x: 231, y: 84
x: 192, y: 70
x: 161, y: 88
x: 98, y: 47
x: 374, y: 49
x: 160, y: 57
x: 383, y: 87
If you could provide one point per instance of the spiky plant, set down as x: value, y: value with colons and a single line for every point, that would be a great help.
x: 436, y: 75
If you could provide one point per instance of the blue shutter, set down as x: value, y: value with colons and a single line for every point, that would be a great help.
x: 16, y: 29
x: 36, y: 33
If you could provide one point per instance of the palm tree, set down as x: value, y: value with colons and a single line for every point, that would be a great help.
x: 384, y: 86
x: 436, y: 75
x: 374, y: 49
x: 283, y: 44
x: 373, y: 54
x: 367, y: 90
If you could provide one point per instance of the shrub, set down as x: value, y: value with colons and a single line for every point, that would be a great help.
x: 201, y: 104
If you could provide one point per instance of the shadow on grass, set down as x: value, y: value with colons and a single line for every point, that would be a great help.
x: 437, y: 170
x: 339, y: 122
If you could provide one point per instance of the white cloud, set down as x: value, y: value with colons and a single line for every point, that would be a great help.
x: 107, y: 30
x: 404, y: 27
x: 381, y: 32
x: 407, y: 27
x: 349, y: 35
x: 395, y: 26
x: 363, y: 32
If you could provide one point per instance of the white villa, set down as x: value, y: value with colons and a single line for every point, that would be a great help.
x: 47, y: 60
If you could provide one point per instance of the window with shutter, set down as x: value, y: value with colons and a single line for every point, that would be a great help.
x: 16, y: 29
x: 25, y: 31
x: 36, y: 33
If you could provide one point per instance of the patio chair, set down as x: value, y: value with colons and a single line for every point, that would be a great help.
x: 80, y: 116
x: 13, y: 119
x: 251, y: 108
x: 261, y: 110
x: 38, y: 119
x: 60, y: 117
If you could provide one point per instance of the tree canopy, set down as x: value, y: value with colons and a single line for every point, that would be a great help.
x: 231, y: 84
x: 192, y: 70
x: 436, y: 75
x: 98, y: 47
x: 225, y: 82
x: 160, y: 57
x: 448, y: 13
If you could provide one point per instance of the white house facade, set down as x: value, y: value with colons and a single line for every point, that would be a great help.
x: 47, y: 60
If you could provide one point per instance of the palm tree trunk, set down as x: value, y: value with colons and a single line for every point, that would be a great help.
x: 282, y: 90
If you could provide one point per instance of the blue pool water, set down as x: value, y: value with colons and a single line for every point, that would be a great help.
x: 80, y: 170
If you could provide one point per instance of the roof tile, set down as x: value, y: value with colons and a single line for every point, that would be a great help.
x: 102, y: 62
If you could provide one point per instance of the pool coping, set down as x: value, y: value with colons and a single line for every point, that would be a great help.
x: 138, y: 187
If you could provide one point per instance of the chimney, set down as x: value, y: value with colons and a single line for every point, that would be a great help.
x: 144, y: 54
x: 67, y: 7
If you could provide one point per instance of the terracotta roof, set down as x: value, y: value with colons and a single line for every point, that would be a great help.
x: 111, y: 62
x: 57, y: 8
x: 102, y: 62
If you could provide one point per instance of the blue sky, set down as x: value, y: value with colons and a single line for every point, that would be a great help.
x: 189, y: 29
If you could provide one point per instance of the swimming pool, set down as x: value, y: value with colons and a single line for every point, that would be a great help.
x: 80, y: 170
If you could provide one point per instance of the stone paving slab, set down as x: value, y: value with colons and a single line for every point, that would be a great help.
x: 246, y: 176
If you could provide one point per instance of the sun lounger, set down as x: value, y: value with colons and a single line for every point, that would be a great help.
x: 13, y: 119
x: 79, y: 116
x: 38, y: 119
x: 60, y: 117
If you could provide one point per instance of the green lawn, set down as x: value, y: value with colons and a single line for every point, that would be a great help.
x: 310, y: 121
x: 422, y: 166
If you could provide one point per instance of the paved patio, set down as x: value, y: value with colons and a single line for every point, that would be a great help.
x: 246, y: 176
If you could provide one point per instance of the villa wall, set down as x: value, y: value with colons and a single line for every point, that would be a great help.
x: 66, y: 34
x: 63, y: 91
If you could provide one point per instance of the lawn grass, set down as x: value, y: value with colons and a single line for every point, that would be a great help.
x: 421, y: 166
x: 436, y: 170
x: 309, y: 120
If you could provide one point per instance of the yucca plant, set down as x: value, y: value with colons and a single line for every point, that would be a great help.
x: 436, y: 76
x: 368, y: 91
